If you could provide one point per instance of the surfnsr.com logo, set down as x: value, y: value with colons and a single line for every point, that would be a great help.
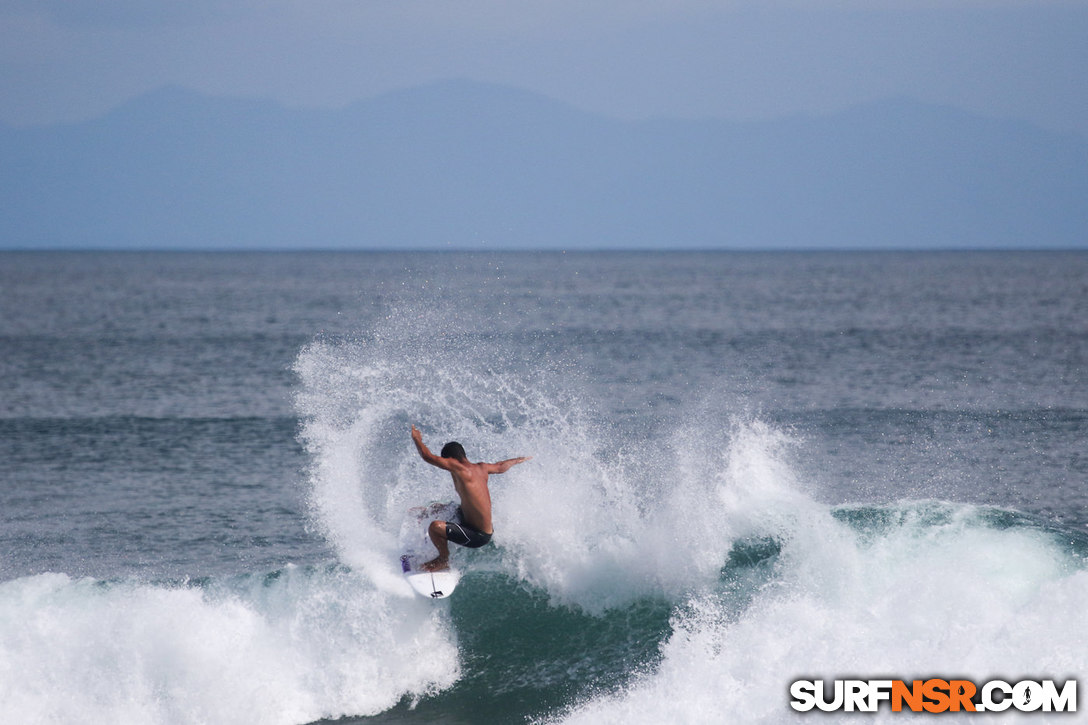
x: 934, y: 696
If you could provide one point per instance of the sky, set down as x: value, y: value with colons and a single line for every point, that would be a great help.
x: 71, y: 60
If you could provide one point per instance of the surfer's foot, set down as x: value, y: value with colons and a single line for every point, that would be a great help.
x: 436, y: 564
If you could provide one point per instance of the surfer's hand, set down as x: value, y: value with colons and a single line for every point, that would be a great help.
x: 416, y: 435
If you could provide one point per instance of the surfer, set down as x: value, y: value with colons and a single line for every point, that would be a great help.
x: 473, y: 529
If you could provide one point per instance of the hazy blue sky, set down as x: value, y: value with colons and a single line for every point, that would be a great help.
x: 65, y: 60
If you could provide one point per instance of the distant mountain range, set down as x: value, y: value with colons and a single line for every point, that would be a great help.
x: 462, y: 165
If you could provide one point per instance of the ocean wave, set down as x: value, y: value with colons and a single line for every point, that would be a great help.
x: 908, y: 590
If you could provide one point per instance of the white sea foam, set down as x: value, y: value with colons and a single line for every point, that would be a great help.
x: 288, y: 648
x: 593, y: 526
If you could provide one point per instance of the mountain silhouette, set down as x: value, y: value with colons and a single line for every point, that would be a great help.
x: 464, y: 165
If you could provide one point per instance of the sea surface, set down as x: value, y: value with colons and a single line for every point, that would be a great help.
x: 747, y: 469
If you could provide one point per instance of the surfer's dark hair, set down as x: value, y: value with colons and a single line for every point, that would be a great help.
x: 453, y: 449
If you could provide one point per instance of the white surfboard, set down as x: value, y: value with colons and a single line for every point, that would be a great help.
x: 432, y: 584
x: 418, y: 548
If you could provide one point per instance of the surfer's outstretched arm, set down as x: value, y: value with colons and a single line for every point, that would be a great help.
x: 504, y: 466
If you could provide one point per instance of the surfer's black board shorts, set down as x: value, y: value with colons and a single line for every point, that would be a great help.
x: 462, y: 534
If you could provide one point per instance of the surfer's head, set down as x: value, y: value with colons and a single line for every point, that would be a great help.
x: 453, y: 449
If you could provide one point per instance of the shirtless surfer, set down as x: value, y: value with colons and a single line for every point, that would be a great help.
x: 473, y: 529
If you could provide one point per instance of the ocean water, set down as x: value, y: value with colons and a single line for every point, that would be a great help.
x: 748, y: 469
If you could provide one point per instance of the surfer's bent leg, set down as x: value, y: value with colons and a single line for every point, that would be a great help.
x: 442, y: 532
x: 437, y: 532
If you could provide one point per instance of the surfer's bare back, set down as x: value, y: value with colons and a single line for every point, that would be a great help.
x: 473, y: 527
